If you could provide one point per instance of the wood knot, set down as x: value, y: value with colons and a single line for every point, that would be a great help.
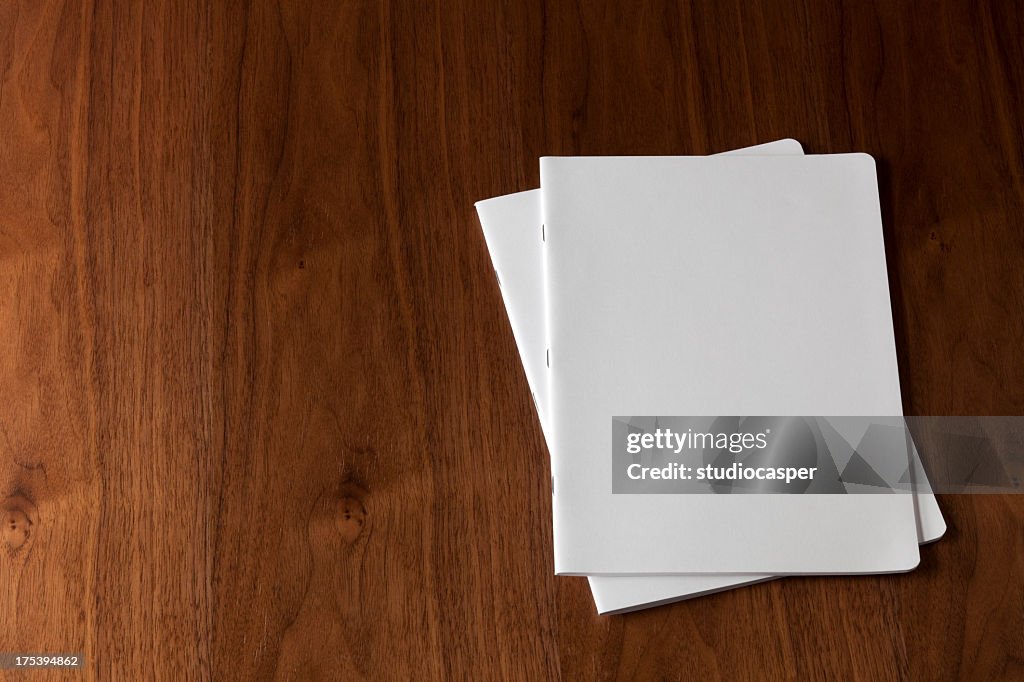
x: 16, y: 522
x: 351, y: 518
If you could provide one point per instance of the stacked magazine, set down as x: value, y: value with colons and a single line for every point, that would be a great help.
x: 747, y: 283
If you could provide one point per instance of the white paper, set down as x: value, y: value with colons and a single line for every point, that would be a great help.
x: 510, y: 225
x: 717, y: 285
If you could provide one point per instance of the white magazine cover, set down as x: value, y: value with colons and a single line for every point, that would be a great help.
x: 751, y: 285
x: 510, y: 225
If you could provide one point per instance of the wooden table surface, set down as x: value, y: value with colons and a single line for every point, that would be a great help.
x: 261, y: 411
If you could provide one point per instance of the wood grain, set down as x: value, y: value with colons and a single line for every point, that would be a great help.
x: 262, y: 414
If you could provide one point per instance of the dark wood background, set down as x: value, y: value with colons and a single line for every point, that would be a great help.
x: 261, y: 412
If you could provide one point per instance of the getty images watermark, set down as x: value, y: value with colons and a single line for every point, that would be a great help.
x: 816, y: 455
